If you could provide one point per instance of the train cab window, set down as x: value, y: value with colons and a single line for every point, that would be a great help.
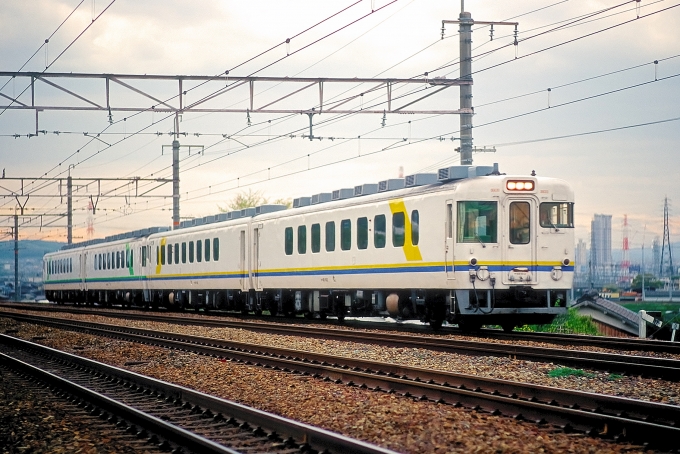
x: 520, y: 222
x: 207, y: 250
x: 316, y: 238
x: 556, y: 215
x: 477, y: 222
x: 379, y: 231
x: 362, y: 233
x: 191, y: 252
x: 216, y: 249
x: 415, y: 227
x: 199, y: 251
x: 330, y: 236
x: 345, y: 234
x: 288, y: 234
x: 398, y: 229
x: 176, y: 253
x: 302, y: 239
x: 184, y: 252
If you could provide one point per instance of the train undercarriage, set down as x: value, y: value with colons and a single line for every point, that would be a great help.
x: 467, y: 308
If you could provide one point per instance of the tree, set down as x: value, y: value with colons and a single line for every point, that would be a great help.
x: 651, y: 282
x: 251, y: 199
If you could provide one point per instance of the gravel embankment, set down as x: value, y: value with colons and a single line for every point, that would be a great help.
x: 34, y: 421
x: 485, y: 366
x: 395, y: 422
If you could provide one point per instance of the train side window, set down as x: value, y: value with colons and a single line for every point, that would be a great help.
x: 477, y: 222
x: 191, y: 252
x: 415, y: 227
x: 362, y: 233
x: 127, y: 259
x: 216, y: 249
x: 169, y: 253
x: 556, y: 215
x: 302, y: 239
x: 132, y: 260
x: 162, y: 255
x: 184, y: 252
x: 316, y: 238
x: 288, y: 234
x: 520, y: 221
x: 176, y: 253
x: 330, y: 236
x: 100, y: 261
x: 116, y: 264
x: 207, y: 250
x: 199, y: 251
x: 345, y: 234
x: 379, y: 231
x: 398, y: 229
x: 143, y: 256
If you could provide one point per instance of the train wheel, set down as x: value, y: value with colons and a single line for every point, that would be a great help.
x: 436, y: 323
x: 508, y: 327
x: 468, y: 326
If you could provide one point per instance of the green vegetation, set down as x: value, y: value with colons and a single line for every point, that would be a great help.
x: 673, y: 308
x: 569, y: 323
x: 651, y: 282
x: 251, y: 199
x: 613, y: 377
x: 569, y: 372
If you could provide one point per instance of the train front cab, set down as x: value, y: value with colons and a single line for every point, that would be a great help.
x: 530, y: 229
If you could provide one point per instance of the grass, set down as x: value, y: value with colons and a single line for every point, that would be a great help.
x: 569, y: 323
x: 569, y: 372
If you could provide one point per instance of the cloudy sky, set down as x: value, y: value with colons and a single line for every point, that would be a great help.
x: 606, y: 125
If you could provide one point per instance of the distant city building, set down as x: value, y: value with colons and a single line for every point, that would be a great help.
x: 601, y: 247
x: 581, y: 267
x: 656, y: 255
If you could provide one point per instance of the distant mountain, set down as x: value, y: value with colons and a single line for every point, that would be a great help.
x: 28, y: 249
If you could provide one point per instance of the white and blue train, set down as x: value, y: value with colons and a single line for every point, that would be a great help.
x: 470, y: 246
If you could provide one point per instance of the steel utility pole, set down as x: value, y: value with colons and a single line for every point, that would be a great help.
x: 465, y: 43
x: 16, y: 257
x: 175, y: 176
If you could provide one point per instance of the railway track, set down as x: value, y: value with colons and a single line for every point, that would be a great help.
x: 645, y: 366
x: 168, y: 416
x: 571, y: 340
x: 620, y: 418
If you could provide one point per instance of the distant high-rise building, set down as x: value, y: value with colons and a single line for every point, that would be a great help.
x: 601, y: 245
x: 656, y: 254
x: 581, y: 257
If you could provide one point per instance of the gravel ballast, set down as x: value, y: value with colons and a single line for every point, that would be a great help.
x: 388, y: 420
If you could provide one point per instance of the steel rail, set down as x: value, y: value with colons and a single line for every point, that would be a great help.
x: 614, y: 343
x: 316, y: 438
x: 664, y: 368
x: 640, y: 421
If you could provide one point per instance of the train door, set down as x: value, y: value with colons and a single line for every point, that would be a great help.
x: 255, y: 268
x: 83, y: 272
x: 448, y: 241
x: 519, y: 242
x: 243, y: 271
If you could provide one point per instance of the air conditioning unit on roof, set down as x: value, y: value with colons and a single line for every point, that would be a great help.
x: 391, y: 185
x: 365, y: 189
x: 420, y: 179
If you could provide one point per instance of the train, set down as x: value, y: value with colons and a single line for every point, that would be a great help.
x: 467, y: 245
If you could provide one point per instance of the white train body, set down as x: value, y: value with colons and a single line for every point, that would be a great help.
x: 492, y: 249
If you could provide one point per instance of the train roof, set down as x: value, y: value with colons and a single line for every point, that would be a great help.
x: 410, y: 185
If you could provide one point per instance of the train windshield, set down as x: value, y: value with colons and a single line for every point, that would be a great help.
x: 557, y: 215
x: 477, y: 222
